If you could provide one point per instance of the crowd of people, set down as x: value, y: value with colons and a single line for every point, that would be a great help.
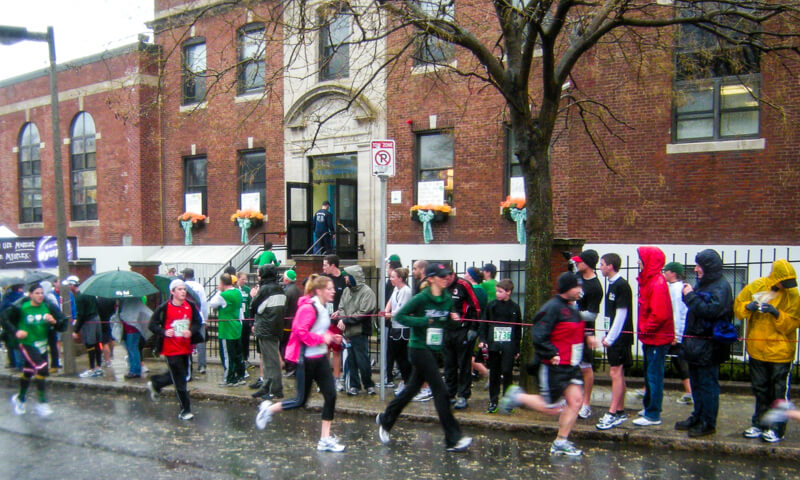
x: 469, y: 325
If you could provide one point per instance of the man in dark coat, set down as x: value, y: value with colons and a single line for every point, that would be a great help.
x: 268, y: 306
x: 710, y: 301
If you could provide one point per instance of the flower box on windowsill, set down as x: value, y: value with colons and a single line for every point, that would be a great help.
x: 256, y: 218
x: 438, y: 216
x: 508, y: 204
x: 198, y: 221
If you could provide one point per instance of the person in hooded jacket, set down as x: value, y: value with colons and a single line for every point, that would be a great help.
x: 655, y: 328
x: 354, y: 319
x: 771, y: 306
x: 268, y: 305
x: 710, y: 301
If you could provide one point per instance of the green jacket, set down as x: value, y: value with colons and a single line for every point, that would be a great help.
x: 230, y: 328
x: 423, y: 312
x: 21, y: 315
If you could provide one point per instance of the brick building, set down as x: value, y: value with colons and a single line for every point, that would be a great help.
x: 245, y: 111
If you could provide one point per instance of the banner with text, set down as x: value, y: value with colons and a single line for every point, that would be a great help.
x: 34, y: 252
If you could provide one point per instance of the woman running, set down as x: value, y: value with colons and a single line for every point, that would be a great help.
x: 308, y: 346
x: 428, y: 313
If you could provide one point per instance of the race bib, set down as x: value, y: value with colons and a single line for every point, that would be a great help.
x: 329, y: 306
x: 434, y: 336
x: 180, y: 326
x: 606, y: 323
x: 502, y: 334
x: 577, y: 354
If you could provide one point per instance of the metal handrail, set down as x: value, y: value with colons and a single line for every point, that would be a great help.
x: 210, y: 283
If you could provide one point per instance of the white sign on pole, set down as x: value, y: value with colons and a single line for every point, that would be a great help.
x: 383, y: 158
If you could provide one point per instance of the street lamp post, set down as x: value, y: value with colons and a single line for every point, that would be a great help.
x: 9, y: 36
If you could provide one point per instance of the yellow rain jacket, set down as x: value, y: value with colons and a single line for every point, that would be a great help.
x: 771, y: 339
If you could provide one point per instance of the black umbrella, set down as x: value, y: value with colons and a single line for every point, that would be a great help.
x: 28, y: 277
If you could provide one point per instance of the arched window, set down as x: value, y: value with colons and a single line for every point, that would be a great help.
x: 30, y: 175
x: 83, y: 168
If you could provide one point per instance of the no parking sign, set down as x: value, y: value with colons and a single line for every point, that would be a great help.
x: 383, y: 158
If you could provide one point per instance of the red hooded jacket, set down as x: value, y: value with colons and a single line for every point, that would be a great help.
x: 655, y: 325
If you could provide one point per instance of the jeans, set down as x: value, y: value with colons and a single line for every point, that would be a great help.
x: 654, y: 359
x: 359, y: 371
x: 705, y: 393
x: 201, y: 349
x: 134, y: 360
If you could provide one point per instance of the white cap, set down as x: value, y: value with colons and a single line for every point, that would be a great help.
x: 176, y: 283
x: 71, y: 280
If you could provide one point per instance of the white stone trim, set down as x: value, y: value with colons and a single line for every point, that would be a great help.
x: 720, y: 146
x: 192, y: 107
x: 84, y: 223
x: 131, y: 80
x: 428, y: 68
x: 248, y: 97
x: 31, y: 225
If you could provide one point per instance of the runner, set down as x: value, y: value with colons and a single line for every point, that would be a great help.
x: 428, y: 313
x: 308, y: 346
x: 30, y: 320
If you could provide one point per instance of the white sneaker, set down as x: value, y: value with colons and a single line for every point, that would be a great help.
x: 645, y: 422
x: 330, y: 444
x: 752, y: 432
x: 399, y: 388
x: 685, y: 399
x: 186, y: 415
x: 19, y: 405
x: 564, y: 448
x: 383, y: 435
x: 153, y: 393
x: 461, y: 445
x: 264, y: 415
x: 86, y: 374
x: 607, y: 421
x: 585, y: 412
x: 43, y: 410
x: 423, y: 396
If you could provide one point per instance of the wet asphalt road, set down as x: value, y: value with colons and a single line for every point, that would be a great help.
x: 96, y: 435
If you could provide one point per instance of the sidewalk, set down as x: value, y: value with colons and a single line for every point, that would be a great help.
x: 734, y: 415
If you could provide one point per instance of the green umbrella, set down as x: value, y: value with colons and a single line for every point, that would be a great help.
x: 117, y: 284
x: 162, y: 283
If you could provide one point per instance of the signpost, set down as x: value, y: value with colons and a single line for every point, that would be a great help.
x: 382, y: 153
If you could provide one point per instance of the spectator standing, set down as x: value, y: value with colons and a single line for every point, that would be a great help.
x: 710, y: 302
x: 196, y: 292
x: 176, y: 324
x: 246, y: 315
x: 772, y: 308
x: 589, y: 308
x: 459, y: 341
x: 228, y: 302
x: 398, y: 336
x: 330, y: 266
x: 355, y: 320
x: 87, y: 327
x: 418, y: 274
x: 269, y: 303
x: 54, y: 337
x: 293, y: 294
x: 502, y: 340
x: 618, y: 340
x: 323, y: 229
x: 673, y: 274
x: 135, y: 317
x: 489, y: 272
x: 656, y: 330
x: 14, y: 293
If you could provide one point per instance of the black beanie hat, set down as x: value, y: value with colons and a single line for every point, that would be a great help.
x: 567, y: 281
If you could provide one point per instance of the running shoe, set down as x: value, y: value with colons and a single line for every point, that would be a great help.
x: 646, y: 422
x: 257, y: 384
x: 86, y: 374
x: 509, y: 400
x: 620, y: 418
x: 19, y: 405
x: 330, y: 444
x: 461, y: 403
x: 264, y: 415
x: 43, y: 410
x: 97, y: 372
x: 492, y: 408
x: 770, y: 436
x: 607, y: 421
x: 424, y: 395
x: 398, y: 390
x: 383, y: 434
x: 184, y: 415
x: 388, y: 384
x: 685, y: 399
x: 153, y: 392
x: 371, y: 391
x: 352, y: 391
x: 461, y: 445
x: 752, y: 432
x: 564, y: 447
x: 585, y: 412
x: 339, y: 384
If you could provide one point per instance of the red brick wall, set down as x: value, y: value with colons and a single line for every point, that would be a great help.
x: 220, y: 130
x: 122, y: 116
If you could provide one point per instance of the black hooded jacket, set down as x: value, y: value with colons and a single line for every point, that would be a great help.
x: 269, y: 304
x: 709, y: 303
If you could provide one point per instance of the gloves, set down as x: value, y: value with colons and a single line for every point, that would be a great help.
x: 767, y: 308
x: 752, y: 306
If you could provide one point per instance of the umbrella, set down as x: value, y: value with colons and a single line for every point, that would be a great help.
x: 117, y: 284
x: 162, y: 283
x: 28, y: 277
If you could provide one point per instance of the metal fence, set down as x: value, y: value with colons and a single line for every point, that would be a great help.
x: 739, y: 269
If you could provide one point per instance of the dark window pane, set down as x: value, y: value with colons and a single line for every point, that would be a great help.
x: 436, y: 151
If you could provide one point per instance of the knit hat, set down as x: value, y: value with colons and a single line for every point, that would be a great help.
x: 475, y: 274
x: 589, y: 257
x: 290, y: 275
x: 176, y: 283
x: 674, y: 267
x: 567, y: 281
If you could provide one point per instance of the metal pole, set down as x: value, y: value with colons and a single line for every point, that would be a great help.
x: 61, y: 221
x: 382, y: 286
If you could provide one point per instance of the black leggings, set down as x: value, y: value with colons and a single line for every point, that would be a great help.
x: 500, y: 363
x: 95, y: 352
x: 424, y: 369
x: 309, y: 370
x: 398, y: 352
x: 176, y: 375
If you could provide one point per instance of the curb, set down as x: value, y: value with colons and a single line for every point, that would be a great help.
x: 638, y: 438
